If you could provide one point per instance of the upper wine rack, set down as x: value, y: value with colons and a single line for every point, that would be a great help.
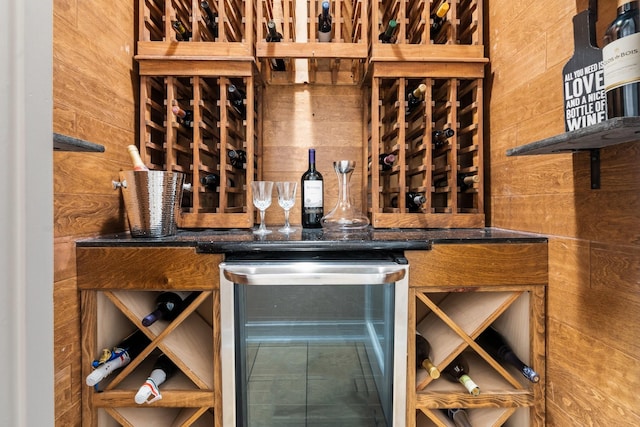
x: 182, y: 29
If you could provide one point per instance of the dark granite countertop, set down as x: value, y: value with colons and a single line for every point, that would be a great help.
x: 241, y: 240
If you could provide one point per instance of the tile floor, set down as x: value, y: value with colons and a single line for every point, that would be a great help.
x: 312, y: 385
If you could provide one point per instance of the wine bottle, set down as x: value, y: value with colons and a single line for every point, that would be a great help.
x: 621, y: 59
x: 185, y: 117
x: 138, y: 164
x: 212, y: 18
x: 236, y: 97
x: 237, y: 158
x: 312, y: 194
x: 119, y: 356
x: 162, y: 370
x: 210, y: 181
x: 423, y: 356
x: 459, y: 416
x: 386, y: 161
x: 181, y: 31
x: 439, y: 137
x: 498, y: 348
x: 414, y: 201
x: 458, y: 371
x: 324, y: 23
x: 415, y: 97
x: 438, y: 20
x: 582, y: 75
x: 466, y: 181
x: 388, y: 35
x: 169, y: 305
x: 273, y: 36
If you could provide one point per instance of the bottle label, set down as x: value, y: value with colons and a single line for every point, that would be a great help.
x: 312, y: 194
x: 469, y: 384
x: 621, y: 62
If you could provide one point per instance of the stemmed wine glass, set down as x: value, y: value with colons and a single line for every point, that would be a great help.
x: 262, y: 200
x: 286, y: 200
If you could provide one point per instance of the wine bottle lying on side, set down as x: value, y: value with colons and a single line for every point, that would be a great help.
x: 495, y: 344
x: 162, y: 370
x: 118, y: 357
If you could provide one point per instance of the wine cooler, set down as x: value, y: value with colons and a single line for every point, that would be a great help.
x: 314, y: 340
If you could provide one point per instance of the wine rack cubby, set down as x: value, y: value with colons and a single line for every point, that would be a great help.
x: 231, y: 35
x: 458, y: 39
x: 452, y: 310
x: 200, y: 147
x: 113, y: 306
x: 447, y: 172
x: 307, y: 60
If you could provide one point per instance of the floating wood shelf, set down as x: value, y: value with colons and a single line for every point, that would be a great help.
x: 67, y: 143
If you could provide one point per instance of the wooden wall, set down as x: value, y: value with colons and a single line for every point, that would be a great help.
x: 94, y: 96
x: 593, y: 365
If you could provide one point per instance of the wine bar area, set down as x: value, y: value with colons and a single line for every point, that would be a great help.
x: 393, y: 213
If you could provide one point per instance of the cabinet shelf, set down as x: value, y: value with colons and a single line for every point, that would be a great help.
x: 68, y: 143
x: 610, y: 132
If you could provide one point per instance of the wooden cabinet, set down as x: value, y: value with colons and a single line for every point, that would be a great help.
x: 456, y: 292
x: 118, y: 287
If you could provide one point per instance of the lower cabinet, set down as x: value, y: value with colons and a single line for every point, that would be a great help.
x: 119, y: 287
x: 459, y: 292
x: 456, y: 292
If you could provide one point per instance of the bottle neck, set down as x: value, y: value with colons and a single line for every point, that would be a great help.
x: 312, y: 160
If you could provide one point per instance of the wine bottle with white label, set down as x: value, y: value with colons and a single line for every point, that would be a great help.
x: 458, y: 371
x: 312, y: 194
x: 121, y: 354
x: 621, y: 58
x: 324, y: 23
x: 162, y: 370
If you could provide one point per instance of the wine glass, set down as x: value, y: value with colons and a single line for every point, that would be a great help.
x: 262, y: 200
x: 286, y: 200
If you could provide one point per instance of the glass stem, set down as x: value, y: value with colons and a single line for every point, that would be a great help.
x: 262, y: 226
x: 286, y: 219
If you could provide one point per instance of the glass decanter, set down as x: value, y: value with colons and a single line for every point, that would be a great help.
x: 344, y: 216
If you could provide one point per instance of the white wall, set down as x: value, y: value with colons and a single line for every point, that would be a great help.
x: 26, y: 214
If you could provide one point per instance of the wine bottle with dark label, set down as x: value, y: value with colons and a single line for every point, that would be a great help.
x: 237, y: 158
x: 423, y: 356
x: 324, y: 23
x: 494, y: 343
x: 438, y: 19
x: 388, y: 35
x: 212, y: 18
x: 236, y: 97
x: 584, y: 97
x: 273, y: 36
x: 312, y: 194
x: 415, y: 97
x: 169, y: 305
x: 162, y: 370
x: 458, y: 371
x: 439, y: 137
x: 117, y: 357
x: 185, y: 117
x: 182, y: 34
x: 621, y: 58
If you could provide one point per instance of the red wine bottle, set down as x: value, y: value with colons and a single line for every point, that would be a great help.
x: 312, y: 187
x: 138, y: 164
x: 388, y: 35
x: 386, y: 161
x: 169, y: 305
x: 423, y: 356
x: 621, y: 59
x: 181, y: 31
x: 185, y: 117
x: 458, y: 371
x: 123, y: 353
x: 324, y: 23
x: 273, y: 36
x: 236, y: 97
x: 415, y: 97
x: 439, y: 137
x: 162, y: 370
x: 498, y: 348
x: 212, y: 18
x: 237, y: 158
x: 438, y: 19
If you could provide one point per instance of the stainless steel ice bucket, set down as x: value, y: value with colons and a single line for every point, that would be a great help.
x: 152, y: 201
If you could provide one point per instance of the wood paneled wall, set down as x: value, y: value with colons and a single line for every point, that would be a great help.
x: 593, y: 365
x: 94, y: 98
